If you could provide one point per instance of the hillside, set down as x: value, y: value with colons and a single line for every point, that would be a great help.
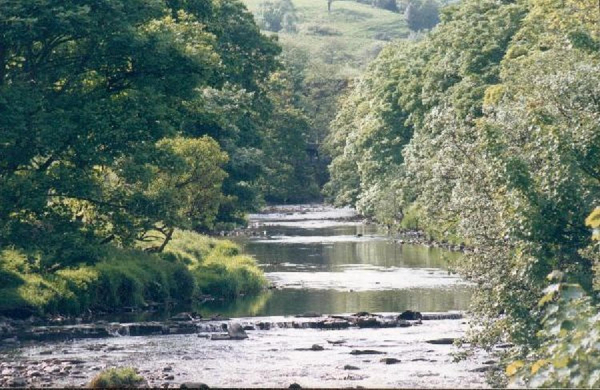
x: 350, y: 36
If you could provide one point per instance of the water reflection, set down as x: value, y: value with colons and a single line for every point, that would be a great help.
x: 277, y: 256
x: 331, y: 266
x: 296, y: 301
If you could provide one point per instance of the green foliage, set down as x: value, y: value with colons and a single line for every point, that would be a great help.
x: 277, y: 15
x: 486, y: 131
x: 112, y: 135
x: 190, y: 265
x: 568, y: 354
x: 422, y: 14
x: 116, y: 378
x: 327, y: 51
x: 218, y: 266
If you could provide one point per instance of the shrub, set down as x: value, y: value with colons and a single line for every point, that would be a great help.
x: 116, y: 378
x: 129, y: 277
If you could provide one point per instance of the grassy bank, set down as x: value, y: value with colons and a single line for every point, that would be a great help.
x: 192, y: 265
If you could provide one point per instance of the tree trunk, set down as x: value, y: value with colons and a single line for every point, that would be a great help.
x: 168, y: 236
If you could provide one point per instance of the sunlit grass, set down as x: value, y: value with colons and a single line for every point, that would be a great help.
x: 192, y: 265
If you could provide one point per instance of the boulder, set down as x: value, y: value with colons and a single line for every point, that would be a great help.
x: 331, y: 324
x: 410, y: 315
x: 17, y: 382
x: 146, y: 329
x: 368, y: 322
x: 442, y: 341
x: 310, y: 314
x: 366, y: 352
x: 220, y: 337
x: 390, y: 360
x: 194, y: 385
x: 236, y: 331
x: 182, y: 317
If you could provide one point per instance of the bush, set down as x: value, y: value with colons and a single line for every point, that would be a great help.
x: 422, y: 14
x: 229, y: 276
x: 116, y: 378
x: 277, y: 15
x: 568, y: 354
x: 191, y: 264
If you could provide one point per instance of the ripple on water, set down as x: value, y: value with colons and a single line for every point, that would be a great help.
x: 360, y: 277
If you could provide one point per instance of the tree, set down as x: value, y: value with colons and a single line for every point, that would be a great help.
x: 100, y: 125
x: 422, y: 14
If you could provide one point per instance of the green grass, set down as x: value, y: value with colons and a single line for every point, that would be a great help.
x: 355, y: 32
x: 191, y: 265
x: 218, y: 266
x: 114, y: 378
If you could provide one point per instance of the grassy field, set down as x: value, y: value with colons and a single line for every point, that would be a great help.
x: 348, y: 37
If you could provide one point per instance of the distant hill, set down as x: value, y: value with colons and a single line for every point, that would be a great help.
x: 349, y: 36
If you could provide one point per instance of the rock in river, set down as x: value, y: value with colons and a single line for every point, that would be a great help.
x: 193, y: 385
x: 410, y: 315
x: 446, y: 341
x: 236, y: 331
x: 390, y: 360
x: 366, y: 352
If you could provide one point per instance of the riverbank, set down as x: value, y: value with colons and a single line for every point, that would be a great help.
x: 192, y: 268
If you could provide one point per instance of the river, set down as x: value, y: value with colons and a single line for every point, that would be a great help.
x: 320, y: 260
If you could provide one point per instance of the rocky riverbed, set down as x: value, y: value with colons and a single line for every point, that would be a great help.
x: 384, y: 350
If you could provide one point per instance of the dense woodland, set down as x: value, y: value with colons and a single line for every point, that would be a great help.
x: 487, y: 132
x: 129, y: 127
x: 123, y: 123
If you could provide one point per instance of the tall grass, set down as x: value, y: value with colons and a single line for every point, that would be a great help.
x: 191, y: 265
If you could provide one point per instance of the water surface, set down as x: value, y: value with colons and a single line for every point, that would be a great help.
x: 322, y: 260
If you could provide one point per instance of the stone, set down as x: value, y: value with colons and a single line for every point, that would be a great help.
x: 349, y: 367
x: 236, y: 331
x: 442, y: 316
x: 368, y: 322
x: 146, y: 329
x: 331, y: 324
x: 219, y: 337
x: 366, y: 352
x: 483, y: 369
x: 194, y: 385
x: 309, y: 314
x: 167, y: 368
x: 317, y: 347
x: 390, y: 360
x: 182, y: 317
x: 17, y: 382
x: 294, y: 386
x: 48, y: 352
x: 442, y: 341
x: 410, y: 315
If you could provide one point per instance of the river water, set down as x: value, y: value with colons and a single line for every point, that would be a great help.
x: 319, y: 261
